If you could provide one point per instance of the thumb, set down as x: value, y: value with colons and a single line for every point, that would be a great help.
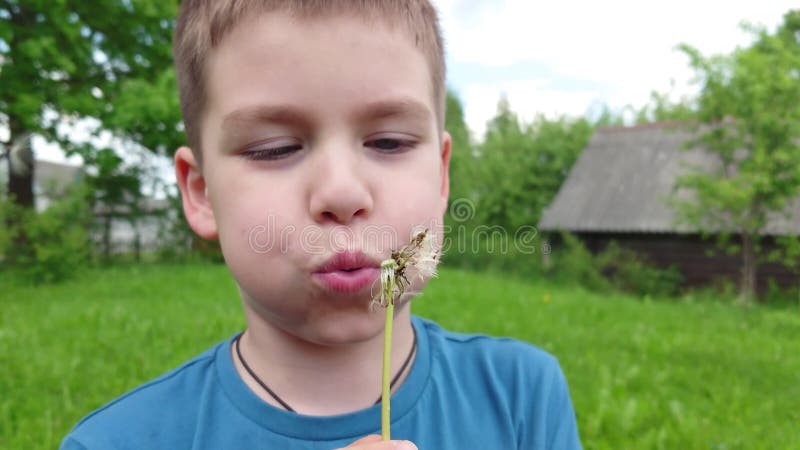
x: 374, y: 442
x: 371, y: 439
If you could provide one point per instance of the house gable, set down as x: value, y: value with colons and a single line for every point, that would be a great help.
x: 623, y: 179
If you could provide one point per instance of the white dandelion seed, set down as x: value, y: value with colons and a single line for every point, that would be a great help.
x: 417, y: 258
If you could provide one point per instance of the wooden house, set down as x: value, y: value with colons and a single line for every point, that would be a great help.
x: 618, y: 190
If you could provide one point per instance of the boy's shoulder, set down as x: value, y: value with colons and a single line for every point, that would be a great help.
x: 180, y: 389
x: 502, y: 360
x: 502, y: 349
x: 511, y: 387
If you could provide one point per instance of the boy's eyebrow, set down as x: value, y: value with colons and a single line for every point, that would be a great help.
x: 376, y: 110
x: 396, y: 107
x: 264, y: 113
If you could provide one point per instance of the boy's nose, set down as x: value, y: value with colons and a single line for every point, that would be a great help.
x: 340, y: 192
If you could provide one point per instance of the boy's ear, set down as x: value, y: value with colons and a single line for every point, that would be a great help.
x: 447, y: 143
x: 194, y: 195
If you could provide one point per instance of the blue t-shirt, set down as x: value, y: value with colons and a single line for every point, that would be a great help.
x: 463, y: 392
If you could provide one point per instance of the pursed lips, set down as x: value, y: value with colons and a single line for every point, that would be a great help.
x: 347, y: 272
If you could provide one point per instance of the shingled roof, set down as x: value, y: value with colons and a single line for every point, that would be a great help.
x: 622, y: 179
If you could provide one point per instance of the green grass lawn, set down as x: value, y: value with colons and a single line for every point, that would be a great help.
x: 643, y: 374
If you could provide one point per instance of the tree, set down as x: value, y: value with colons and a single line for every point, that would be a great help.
x: 602, y: 115
x: 115, y: 193
x: 462, y: 159
x: 501, y: 158
x: 523, y: 165
x: 661, y: 108
x: 748, y: 108
x: 63, y: 62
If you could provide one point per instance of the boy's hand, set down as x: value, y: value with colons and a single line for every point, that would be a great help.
x: 374, y: 442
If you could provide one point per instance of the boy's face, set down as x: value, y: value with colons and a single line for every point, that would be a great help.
x: 320, y: 139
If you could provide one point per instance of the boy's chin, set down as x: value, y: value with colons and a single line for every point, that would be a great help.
x: 332, y: 321
x: 346, y: 329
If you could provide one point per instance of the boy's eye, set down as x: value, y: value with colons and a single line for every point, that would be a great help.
x: 390, y: 145
x: 267, y: 153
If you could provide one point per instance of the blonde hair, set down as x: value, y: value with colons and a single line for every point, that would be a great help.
x: 203, y: 24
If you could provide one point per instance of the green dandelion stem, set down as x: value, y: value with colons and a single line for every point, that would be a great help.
x: 386, y: 392
x: 388, y: 268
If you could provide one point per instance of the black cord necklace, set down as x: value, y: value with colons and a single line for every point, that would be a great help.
x: 286, y: 405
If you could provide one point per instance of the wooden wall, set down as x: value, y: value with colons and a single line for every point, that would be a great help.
x: 699, y: 260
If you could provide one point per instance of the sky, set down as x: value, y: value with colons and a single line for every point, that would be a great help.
x: 571, y: 56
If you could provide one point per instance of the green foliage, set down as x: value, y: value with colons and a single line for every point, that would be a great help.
x: 642, y: 374
x: 500, y: 187
x: 490, y: 248
x: 748, y: 105
x: 566, y: 260
x: 631, y: 272
x: 615, y: 268
x: 58, y: 236
x: 455, y: 124
x: 147, y: 112
x: 114, y: 182
x: 115, y: 192
x: 77, y: 58
x: 521, y: 166
x: 788, y: 254
x: 7, y: 230
x: 572, y: 262
x: 111, y: 61
x: 462, y: 166
x: 662, y: 109
x: 606, y: 117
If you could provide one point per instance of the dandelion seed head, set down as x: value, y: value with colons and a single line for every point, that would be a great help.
x: 419, y: 256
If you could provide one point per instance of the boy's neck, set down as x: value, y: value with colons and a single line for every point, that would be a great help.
x: 320, y: 379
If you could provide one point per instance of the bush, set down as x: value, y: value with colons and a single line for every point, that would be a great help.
x: 51, y: 245
x: 574, y: 263
x: 569, y: 261
x: 7, y: 231
x: 491, y: 248
x: 781, y: 295
x: 631, y: 272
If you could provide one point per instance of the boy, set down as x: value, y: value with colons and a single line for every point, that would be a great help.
x: 317, y: 147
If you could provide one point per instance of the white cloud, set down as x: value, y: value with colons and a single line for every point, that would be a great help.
x: 626, y: 46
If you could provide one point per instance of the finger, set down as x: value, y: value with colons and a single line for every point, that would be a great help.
x: 366, y: 440
x: 374, y: 442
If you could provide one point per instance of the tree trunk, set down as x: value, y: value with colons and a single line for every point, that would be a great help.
x: 20, y: 165
x: 20, y: 185
x: 137, y: 241
x: 107, y: 237
x: 747, y: 288
x: 20, y: 188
